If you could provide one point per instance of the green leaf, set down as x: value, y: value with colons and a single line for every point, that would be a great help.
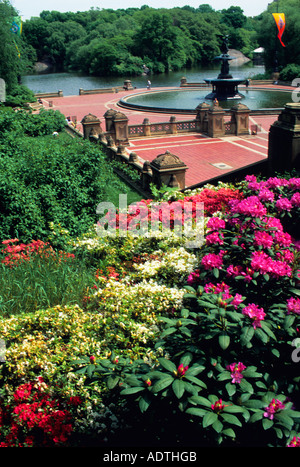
x: 209, y: 418
x: 168, y: 332
x: 144, y: 402
x: 178, y: 388
x: 267, y: 423
x: 256, y: 416
x: 167, y: 364
x: 112, y: 381
x: 186, y: 359
x: 247, y: 334
x: 201, y: 400
x: 232, y: 419
x: 267, y: 330
x: 128, y: 391
x: 231, y: 389
x: 224, y: 375
x: 163, y: 383
x: 254, y: 404
x: 195, y: 380
x: 246, y: 386
x: 196, y: 411
x: 229, y: 432
x: 194, y: 370
x: 233, y: 409
x: 224, y: 340
x: 217, y: 426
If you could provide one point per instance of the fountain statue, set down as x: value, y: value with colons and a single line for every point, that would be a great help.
x: 224, y: 86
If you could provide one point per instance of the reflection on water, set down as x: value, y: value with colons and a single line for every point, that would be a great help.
x: 188, y: 100
x: 70, y: 83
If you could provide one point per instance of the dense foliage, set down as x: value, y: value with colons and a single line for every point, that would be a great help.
x: 48, y: 178
x: 160, y: 344
x: 120, y: 42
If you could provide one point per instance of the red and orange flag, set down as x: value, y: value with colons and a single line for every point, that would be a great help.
x: 280, y: 21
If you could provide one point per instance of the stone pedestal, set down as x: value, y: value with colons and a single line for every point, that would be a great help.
x: 169, y: 170
x: 216, y: 124
x: 202, y: 117
x: 284, y: 140
x: 91, y: 126
x: 121, y: 128
x: 240, y: 115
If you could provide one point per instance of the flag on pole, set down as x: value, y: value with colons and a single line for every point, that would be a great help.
x: 16, y: 26
x: 280, y: 21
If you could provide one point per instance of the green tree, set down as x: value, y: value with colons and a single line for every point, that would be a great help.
x: 10, y: 64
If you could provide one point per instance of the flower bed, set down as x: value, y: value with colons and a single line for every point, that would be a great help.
x: 208, y: 337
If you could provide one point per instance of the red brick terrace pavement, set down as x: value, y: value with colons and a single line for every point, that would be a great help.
x: 197, y: 151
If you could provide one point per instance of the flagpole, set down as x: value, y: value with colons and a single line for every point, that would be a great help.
x: 275, y: 74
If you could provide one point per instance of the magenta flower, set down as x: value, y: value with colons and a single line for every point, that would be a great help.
x: 236, y: 371
x: 218, y: 406
x: 238, y: 299
x: 283, y: 204
x: 263, y: 239
x: 181, y: 370
x: 295, y: 199
x: 295, y: 443
x: 211, y: 261
x: 293, y: 305
x: 255, y: 313
x: 215, y: 223
x: 250, y: 206
x: 193, y: 277
x: 214, y: 238
x: 234, y: 270
x: 272, y: 408
x: 266, y: 195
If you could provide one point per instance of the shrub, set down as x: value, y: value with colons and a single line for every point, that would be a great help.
x: 290, y: 72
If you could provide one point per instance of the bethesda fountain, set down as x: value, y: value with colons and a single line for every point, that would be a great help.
x: 224, y: 87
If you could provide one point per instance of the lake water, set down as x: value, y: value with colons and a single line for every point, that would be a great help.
x: 70, y: 83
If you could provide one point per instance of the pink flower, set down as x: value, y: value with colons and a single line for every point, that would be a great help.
x: 193, y: 277
x: 295, y: 199
x: 266, y: 195
x: 234, y: 270
x: 238, y: 299
x: 250, y: 206
x: 211, y: 261
x: 283, y: 204
x: 272, y: 408
x: 255, y: 313
x: 263, y: 239
x: 295, y: 443
x: 215, y: 223
x: 236, y: 371
x: 293, y: 305
x: 181, y: 370
x: 294, y: 183
x: 218, y: 406
x: 214, y: 238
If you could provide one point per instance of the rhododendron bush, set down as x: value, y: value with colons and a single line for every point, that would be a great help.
x: 187, y: 345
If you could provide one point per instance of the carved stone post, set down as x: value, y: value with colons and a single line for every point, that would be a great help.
x: 91, y: 126
x: 216, y: 124
x: 202, y: 118
x: 240, y: 114
x: 146, y: 175
x: 147, y: 129
x: 284, y: 140
x: 169, y: 170
x: 173, y: 125
x: 121, y: 128
x: 109, y: 124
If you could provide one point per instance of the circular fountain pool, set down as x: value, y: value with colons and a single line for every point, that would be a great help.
x: 186, y: 101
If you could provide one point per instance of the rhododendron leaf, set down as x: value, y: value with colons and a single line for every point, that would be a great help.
x: 267, y: 423
x: 144, y: 402
x: 261, y: 335
x: 231, y: 389
x: 195, y: 380
x: 217, y: 426
x: 232, y: 419
x: 246, y: 386
x: 229, y: 432
x: 295, y: 291
x: 224, y: 375
x: 196, y: 411
x: 194, y: 370
x: 284, y: 419
x: 167, y: 364
x: 128, y: 391
x: 186, y: 359
x: 267, y: 330
x: 247, y: 334
x: 201, y: 400
x: 224, y: 340
x: 178, y: 388
x: 256, y: 416
x: 288, y: 321
x: 168, y: 332
x: 254, y: 404
x: 163, y: 383
x: 209, y: 418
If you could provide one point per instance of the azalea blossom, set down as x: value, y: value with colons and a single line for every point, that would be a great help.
x: 272, y: 408
x: 255, y: 313
x: 294, y: 443
x: 236, y: 371
x: 218, y: 406
x: 293, y: 305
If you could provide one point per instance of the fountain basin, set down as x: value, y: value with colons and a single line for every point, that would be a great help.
x: 186, y: 101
